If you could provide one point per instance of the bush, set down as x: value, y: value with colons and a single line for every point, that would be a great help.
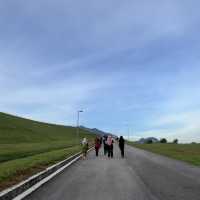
x: 163, y: 140
x: 175, y: 141
x: 149, y: 141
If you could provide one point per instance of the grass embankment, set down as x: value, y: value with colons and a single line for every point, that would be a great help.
x: 185, y: 152
x: 27, y: 147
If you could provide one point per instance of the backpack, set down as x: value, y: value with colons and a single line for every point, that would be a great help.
x: 109, y: 141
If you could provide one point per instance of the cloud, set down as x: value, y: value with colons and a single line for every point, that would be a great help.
x: 53, y: 99
x: 131, y: 61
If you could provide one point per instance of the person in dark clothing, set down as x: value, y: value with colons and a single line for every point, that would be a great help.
x: 121, y: 145
x: 105, y: 144
x: 97, y: 145
x: 110, y: 146
x: 101, y: 140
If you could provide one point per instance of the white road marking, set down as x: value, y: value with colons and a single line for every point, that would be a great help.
x: 36, y: 186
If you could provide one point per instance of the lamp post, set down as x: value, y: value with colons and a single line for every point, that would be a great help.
x: 128, y: 130
x: 77, y: 128
x: 128, y: 133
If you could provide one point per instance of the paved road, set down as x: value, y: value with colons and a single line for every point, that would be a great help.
x: 140, y: 176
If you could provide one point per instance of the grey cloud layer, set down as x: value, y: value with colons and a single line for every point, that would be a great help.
x: 136, y: 58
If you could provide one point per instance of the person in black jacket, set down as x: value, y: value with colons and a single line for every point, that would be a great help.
x: 121, y: 145
x: 105, y: 144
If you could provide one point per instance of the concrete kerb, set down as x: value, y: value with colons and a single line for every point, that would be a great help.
x: 24, y: 188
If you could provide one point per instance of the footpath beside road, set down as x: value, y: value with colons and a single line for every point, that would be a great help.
x: 140, y: 175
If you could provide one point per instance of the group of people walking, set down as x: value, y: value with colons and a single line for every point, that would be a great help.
x: 108, y: 145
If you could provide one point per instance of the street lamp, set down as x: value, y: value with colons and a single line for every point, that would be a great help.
x: 77, y: 128
x: 128, y: 129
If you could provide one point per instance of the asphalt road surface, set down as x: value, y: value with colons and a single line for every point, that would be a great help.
x: 140, y: 175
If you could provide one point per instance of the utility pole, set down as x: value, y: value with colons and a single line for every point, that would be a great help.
x: 128, y: 133
x: 127, y: 129
x: 77, y: 128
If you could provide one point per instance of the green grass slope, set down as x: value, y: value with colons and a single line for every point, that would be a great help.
x: 14, y: 130
x: 27, y: 146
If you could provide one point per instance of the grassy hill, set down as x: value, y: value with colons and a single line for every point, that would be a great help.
x: 28, y: 146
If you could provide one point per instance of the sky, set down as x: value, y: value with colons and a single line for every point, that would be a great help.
x: 132, y: 66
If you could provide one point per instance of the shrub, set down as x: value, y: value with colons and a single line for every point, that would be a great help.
x: 149, y: 141
x: 175, y: 141
x: 163, y: 140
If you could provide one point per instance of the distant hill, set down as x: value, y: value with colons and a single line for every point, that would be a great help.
x: 96, y: 131
x: 147, y: 140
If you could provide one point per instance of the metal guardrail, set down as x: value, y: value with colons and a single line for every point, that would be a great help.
x: 16, y: 190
